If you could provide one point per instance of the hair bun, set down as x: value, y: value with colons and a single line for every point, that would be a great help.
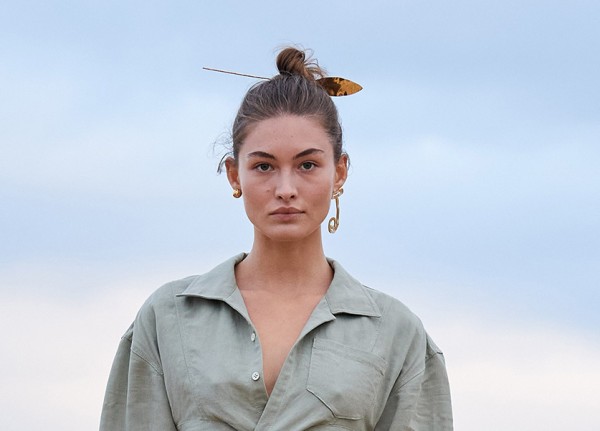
x: 292, y: 61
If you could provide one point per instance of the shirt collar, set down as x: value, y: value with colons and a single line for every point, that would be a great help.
x: 344, y: 295
x: 348, y: 295
x: 218, y: 283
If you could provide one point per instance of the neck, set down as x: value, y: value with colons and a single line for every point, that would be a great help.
x: 285, y: 266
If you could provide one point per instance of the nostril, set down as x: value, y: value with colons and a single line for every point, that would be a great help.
x: 286, y: 194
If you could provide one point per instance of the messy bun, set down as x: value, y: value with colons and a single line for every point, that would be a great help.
x: 292, y: 61
x: 294, y: 91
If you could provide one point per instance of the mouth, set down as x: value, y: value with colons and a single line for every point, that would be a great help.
x: 286, y: 211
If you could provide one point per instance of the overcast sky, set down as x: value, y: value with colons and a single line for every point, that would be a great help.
x: 473, y: 197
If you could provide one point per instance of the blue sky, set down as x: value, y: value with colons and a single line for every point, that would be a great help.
x: 473, y: 195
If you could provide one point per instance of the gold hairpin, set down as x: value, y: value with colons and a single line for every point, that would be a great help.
x: 234, y: 73
x: 336, y: 86
x: 333, y: 85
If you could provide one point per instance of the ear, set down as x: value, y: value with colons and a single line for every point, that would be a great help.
x: 231, y: 168
x: 341, y: 172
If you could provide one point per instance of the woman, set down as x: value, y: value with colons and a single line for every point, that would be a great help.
x: 281, y: 338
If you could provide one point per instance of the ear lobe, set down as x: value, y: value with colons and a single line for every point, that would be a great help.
x: 232, y: 172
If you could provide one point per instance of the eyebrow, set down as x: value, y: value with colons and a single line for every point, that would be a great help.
x: 307, y: 153
x: 301, y: 154
x: 261, y: 154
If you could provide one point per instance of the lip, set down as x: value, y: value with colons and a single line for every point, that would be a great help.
x: 286, y: 211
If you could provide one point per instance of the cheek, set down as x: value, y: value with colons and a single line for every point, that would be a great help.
x: 324, y: 194
x: 255, y: 196
x: 252, y: 197
x: 322, y: 200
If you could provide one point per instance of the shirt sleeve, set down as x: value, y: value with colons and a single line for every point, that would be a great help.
x: 136, y: 398
x: 423, y: 402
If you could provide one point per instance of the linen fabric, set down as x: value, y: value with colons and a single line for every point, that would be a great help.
x: 192, y: 361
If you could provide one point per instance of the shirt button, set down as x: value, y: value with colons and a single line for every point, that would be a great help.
x: 255, y: 376
x: 253, y: 336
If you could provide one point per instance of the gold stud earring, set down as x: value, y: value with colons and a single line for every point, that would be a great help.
x: 334, y: 222
x: 237, y: 193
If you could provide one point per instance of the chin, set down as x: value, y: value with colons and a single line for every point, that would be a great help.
x: 289, y: 233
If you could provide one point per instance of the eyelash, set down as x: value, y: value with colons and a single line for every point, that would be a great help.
x: 258, y: 167
x: 312, y: 165
x: 302, y: 166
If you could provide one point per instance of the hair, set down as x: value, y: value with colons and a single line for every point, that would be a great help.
x: 294, y: 91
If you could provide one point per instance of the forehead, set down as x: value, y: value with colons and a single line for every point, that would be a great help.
x: 285, y: 135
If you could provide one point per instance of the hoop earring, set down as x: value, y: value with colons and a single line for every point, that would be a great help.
x: 237, y: 193
x: 334, y: 222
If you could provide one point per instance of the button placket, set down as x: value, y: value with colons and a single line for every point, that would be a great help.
x: 255, y: 376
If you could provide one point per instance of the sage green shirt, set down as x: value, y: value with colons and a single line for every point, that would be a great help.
x: 192, y: 361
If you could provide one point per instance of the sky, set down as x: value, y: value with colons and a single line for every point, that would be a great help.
x: 473, y: 195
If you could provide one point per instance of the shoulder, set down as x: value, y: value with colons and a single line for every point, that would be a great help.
x: 217, y: 283
x: 166, y: 293
x: 158, y: 311
x: 403, y: 339
x: 349, y: 294
x: 400, y: 323
x: 394, y: 313
x: 162, y: 300
x: 157, y: 318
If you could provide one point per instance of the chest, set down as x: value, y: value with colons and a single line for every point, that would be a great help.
x: 278, y: 324
x: 329, y: 376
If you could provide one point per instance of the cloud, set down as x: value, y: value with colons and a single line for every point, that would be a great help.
x: 140, y: 155
x: 523, y: 377
x: 56, y: 357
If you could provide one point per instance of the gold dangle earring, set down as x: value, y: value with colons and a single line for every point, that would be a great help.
x: 334, y: 222
x: 237, y: 193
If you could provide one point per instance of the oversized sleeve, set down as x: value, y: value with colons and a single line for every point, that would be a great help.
x: 422, y: 403
x: 136, y: 398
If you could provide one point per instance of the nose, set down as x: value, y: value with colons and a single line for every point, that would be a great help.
x: 286, y: 187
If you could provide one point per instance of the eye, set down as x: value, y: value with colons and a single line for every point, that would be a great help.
x: 307, y: 166
x: 263, y: 167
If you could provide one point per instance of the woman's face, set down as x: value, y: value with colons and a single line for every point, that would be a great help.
x: 287, y: 175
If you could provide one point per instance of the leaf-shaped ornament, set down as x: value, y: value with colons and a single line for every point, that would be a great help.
x: 336, y: 86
